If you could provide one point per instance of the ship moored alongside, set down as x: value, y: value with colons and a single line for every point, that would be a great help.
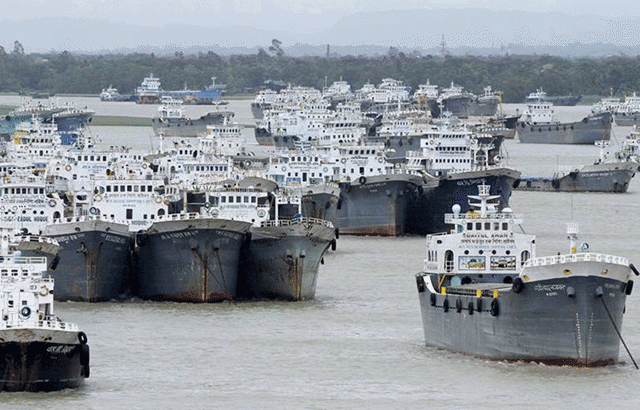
x: 483, y: 292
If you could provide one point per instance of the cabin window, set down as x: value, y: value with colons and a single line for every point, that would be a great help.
x: 129, y: 213
x: 478, y: 226
x: 524, y: 257
x: 223, y: 199
x: 487, y: 226
x: 505, y: 226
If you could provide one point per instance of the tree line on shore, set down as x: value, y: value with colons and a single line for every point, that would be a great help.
x: 515, y: 76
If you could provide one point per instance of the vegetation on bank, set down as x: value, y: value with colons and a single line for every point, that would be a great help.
x: 514, y: 75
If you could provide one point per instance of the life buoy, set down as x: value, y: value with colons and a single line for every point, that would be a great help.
x: 261, y: 213
x: 157, y: 199
x: 44, y: 291
x: 284, y: 168
x: 325, y: 169
x: 94, y: 211
x: 207, y: 205
x: 25, y: 312
x: 380, y: 160
x: 68, y: 167
x: 144, y: 165
x: 52, y: 202
x: 97, y: 198
x: 343, y: 160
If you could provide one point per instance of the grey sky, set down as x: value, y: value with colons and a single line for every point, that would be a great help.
x: 40, y: 25
x: 274, y: 13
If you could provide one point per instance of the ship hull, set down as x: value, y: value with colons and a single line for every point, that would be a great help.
x: 190, y: 260
x: 588, y: 131
x: 426, y: 216
x: 42, y: 360
x: 185, y: 127
x: 627, y: 120
x: 614, y: 177
x: 321, y: 202
x: 282, y: 261
x: 484, y: 106
x: 94, y: 260
x: 376, y: 205
x: 458, y: 106
x: 558, y: 321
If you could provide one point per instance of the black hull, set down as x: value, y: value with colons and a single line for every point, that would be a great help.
x: 282, y: 262
x: 377, y: 205
x: 94, y: 260
x: 194, y: 260
x: 426, y: 216
x: 322, y: 205
x: 41, y: 365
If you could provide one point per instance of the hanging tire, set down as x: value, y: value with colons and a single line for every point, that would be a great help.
x: 495, y: 307
x: 445, y: 304
x: 518, y: 285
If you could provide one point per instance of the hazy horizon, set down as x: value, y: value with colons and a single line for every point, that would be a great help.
x: 98, y: 25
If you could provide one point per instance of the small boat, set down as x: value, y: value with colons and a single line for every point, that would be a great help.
x: 484, y: 292
x: 39, y: 351
x: 112, y: 94
x: 541, y: 96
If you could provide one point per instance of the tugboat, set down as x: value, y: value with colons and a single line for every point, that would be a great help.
x: 39, y: 351
x: 483, y: 292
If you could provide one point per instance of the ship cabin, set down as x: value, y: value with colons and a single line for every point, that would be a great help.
x: 27, y: 299
x: 537, y: 113
x: 482, y: 246
x: 448, y: 150
x: 299, y: 169
x: 239, y: 204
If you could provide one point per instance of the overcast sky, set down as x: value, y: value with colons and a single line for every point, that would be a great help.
x: 316, y: 14
x: 139, y: 24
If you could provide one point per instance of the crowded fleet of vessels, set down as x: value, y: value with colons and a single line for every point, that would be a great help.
x: 202, y: 219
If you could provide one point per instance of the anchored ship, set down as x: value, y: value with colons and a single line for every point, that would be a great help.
x: 485, y: 293
x: 537, y: 126
x: 189, y: 258
x: 171, y: 120
x: 40, y: 352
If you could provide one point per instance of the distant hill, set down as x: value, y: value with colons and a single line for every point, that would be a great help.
x: 466, y: 31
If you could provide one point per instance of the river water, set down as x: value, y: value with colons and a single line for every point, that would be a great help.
x: 360, y: 343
